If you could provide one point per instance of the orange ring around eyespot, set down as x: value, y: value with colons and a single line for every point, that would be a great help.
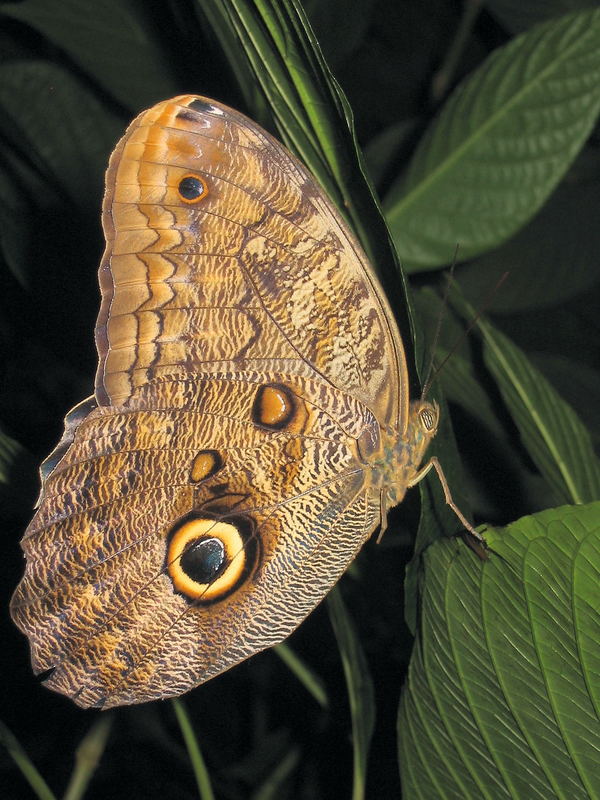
x: 235, y: 554
x: 192, y: 201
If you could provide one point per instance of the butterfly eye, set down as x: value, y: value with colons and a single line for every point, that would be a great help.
x: 208, y: 559
x: 429, y: 418
x: 191, y: 189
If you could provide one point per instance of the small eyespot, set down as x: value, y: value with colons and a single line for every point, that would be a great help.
x: 192, y: 189
x: 206, y: 463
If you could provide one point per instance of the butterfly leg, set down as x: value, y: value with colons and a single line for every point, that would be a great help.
x: 433, y: 462
x: 384, y: 518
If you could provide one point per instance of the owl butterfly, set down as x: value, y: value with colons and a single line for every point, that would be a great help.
x: 250, y: 425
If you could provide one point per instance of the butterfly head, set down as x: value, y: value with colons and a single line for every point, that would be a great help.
x: 426, y: 416
x: 423, y: 422
x: 403, y: 453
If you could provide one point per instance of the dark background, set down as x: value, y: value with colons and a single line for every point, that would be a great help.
x: 386, y: 57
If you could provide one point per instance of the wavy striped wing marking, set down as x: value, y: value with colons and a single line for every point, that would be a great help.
x: 260, y: 273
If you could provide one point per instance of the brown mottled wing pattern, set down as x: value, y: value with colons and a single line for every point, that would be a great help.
x: 261, y: 273
x: 224, y: 476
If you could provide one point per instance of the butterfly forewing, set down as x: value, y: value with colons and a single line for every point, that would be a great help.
x: 260, y: 269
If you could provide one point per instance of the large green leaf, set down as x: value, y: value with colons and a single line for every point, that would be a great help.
x: 551, y: 431
x: 503, y: 693
x: 110, y: 41
x: 500, y: 145
x: 60, y: 136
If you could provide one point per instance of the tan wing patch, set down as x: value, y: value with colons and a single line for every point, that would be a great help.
x: 257, y: 268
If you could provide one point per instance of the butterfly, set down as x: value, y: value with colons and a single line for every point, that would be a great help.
x: 250, y: 425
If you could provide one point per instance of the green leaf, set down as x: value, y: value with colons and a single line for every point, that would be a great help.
x: 87, y: 758
x: 551, y: 431
x: 500, y: 145
x: 503, y: 691
x: 109, y: 40
x: 307, y: 677
x: 39, y: 786
x: 203, y: 782
x: 360, y: 688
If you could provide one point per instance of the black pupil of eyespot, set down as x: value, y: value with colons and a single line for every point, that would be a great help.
x: 190, y: 188
x: 204, y: 559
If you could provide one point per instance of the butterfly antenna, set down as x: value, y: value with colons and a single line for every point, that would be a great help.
x: 438, y: 329
x: 465, y: 333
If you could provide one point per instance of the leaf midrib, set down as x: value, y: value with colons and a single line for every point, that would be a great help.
x: 447, y: 164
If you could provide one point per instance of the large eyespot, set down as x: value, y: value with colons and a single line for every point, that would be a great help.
x: 192, y: 189
x: 207, y: 559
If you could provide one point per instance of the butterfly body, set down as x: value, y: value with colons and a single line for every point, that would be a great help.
x: 250, y: 425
